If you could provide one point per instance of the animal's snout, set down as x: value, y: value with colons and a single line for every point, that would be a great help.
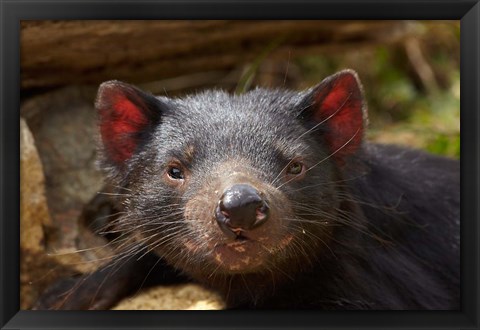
x: 240, y: 208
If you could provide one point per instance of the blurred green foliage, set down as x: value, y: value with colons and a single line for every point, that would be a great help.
x: 404, y: 107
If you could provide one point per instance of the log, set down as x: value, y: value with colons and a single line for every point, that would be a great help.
x: 59, y: 53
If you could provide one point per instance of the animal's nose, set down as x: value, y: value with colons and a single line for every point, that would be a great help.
x: 241, y: 208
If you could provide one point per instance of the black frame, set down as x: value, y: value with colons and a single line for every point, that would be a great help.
x: 13, y: 11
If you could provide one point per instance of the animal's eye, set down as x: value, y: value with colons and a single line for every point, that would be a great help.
x: 295, y: 168
x: 175, y: 173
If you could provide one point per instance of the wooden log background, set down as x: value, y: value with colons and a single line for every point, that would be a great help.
x: 59, y: 53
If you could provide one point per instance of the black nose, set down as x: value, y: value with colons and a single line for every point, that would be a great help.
x: 241, y: 207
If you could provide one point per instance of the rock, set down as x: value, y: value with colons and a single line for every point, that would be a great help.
x: 57, y: 183
x: 176, y: 297
x: 34, y: 212
x: 63, y: 124
x: 37, y: 269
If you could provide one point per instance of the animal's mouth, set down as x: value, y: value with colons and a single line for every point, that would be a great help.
x: 241, y: 236
x: 239, y: 255
x: 244, y: 254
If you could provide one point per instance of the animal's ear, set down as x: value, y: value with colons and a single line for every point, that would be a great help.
x: 126, y: 116
x: 336, y: 108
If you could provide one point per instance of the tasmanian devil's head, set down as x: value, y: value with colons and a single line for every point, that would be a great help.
x: 225, y: 184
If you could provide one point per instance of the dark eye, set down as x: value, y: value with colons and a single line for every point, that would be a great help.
x: 175, y: 173
x: 295, y: 168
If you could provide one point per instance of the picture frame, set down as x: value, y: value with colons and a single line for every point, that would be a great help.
x: 12, y: 12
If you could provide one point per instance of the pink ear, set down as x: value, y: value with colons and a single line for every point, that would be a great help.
x: 339, y: 107
x: 125, y: 113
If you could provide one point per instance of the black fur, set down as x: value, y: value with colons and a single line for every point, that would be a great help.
x: 378, y: 230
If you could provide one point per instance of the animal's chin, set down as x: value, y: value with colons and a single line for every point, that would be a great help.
x: 239, y: 256
x: 245, y: 255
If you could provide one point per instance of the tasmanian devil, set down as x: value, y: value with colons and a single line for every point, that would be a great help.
x: 273, y: 199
